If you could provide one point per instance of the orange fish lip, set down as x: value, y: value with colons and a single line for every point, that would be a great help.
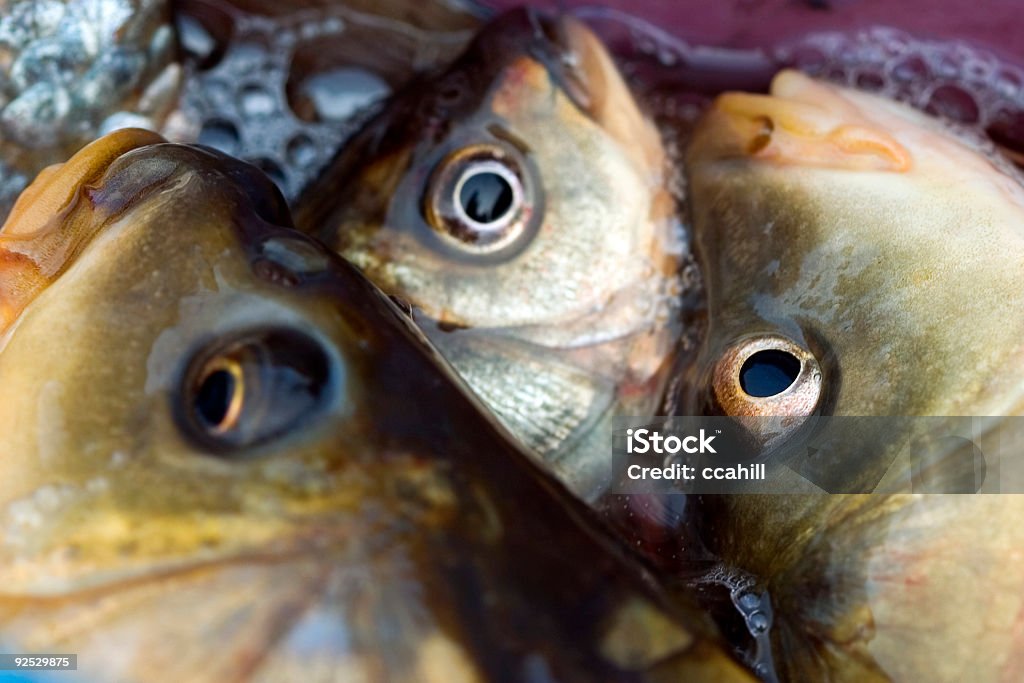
x: 56, y: 185
x: 801, y: 123
x: 32, y: 250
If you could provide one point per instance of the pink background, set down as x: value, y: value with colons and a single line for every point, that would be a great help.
x: 996, y: 24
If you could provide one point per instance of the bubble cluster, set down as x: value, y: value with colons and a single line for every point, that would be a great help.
x: 235, y: 101
x: 979, y: 95
x: 71, y: 70
x: 268, y: 89
x: 754, y: 607
x: 976, y: 93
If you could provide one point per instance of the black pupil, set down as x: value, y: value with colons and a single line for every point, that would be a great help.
x: 214, y: 398
x: 486, y: 197
x: 768, y: 373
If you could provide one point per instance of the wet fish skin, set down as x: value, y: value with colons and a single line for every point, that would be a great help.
x: 387, y: 532
x: 872, y: 236
x: 573, y: 316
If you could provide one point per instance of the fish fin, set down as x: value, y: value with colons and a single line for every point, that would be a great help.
x: 38, y: 240
x: 803, y: 122
x: 231, y: 621
x: 546, y: 402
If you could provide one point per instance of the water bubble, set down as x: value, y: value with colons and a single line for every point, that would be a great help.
x: 947, y: 66
x: 1008, y: 82
x: 759, y: 622
x: 910, y: 69
x: 339, y: 93
x: 218, y: 93
x: 252, y: 54
x: 749, y: 601
x: 870, y: 81
x: 257, y: 102
x: 837, y: 75
x: 220, y: 134
x: 977, y: 69
x: 198, y: 42
x: 667, y: 56
x: 953, y: 103
x: 301, y: 150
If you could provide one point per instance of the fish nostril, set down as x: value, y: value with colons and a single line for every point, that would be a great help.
x: 769, y: 372
x: 288, y: 261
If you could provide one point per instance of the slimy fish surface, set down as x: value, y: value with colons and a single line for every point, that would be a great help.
x: 228, y: 457
x: 520, y: 203
x: 862, y: 260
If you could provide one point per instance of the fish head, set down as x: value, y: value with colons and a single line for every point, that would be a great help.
x: 206, y: 445
x: 174, y: 339
x: 520, y: 197
x: 858, y: 251
x: 863, y: 263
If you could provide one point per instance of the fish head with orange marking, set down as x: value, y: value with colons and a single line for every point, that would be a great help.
x: 866, y: 241
x: 864, y: 263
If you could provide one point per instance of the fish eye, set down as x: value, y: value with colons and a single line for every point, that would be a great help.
x: 768, y: 375
x: 252, y: 388
x: 486, y: 195
x: 218, y: 400
x: 477, y: 199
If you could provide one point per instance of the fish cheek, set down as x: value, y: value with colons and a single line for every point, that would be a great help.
x: 102, y: 419
x: 469, y: 221
x: 458, y: 213
x: 767, y: 354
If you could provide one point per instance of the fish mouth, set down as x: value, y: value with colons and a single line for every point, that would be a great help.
x: 35, y: 244
x: 55, y: 186
x: 800, y: 123
x: 575, y: 58
x: 579, y: 62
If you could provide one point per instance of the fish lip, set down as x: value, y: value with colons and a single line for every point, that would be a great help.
x: 263, y: 216
x: 252, y: 185
x: 573, y: 56
x: 564, y: 46
x: 57, y: 186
